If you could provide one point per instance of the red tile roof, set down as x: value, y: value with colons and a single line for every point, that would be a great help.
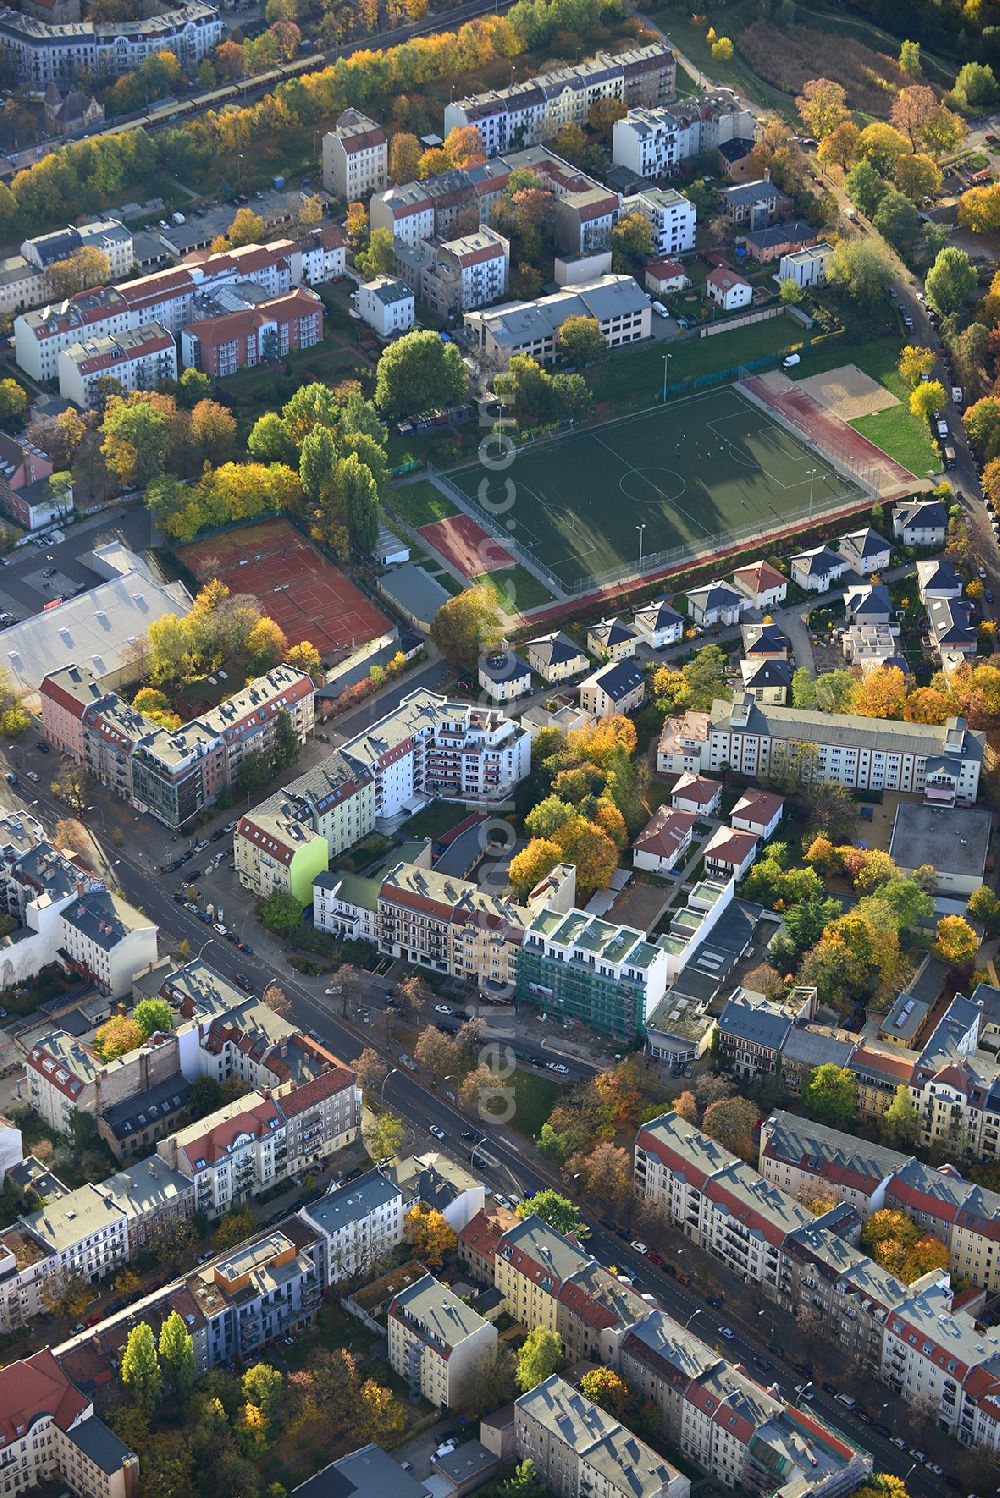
x: 35, y: 1387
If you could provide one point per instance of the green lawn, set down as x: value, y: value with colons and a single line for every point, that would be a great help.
x: 903, y: 436
x: 420, y: 503
x: 676, y: 477
x: 517, y: 588
x: 435, y: 820
x: 639, y: 371
x: 534, y: 1098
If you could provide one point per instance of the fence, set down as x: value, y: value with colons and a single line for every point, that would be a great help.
x: 763, y: 314
x: 656, y: 561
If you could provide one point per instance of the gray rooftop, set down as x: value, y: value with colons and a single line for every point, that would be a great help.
x: 101, y: 1445
x: 73, y: 1217
x: 843, y: 728
x: 348, y: 1204
x: 816, y: 1048
x: 437, y: 1311
x: 839, y: 1156
x: 751, y: 1017
x: 954, y: 839
x: 368, y: 1472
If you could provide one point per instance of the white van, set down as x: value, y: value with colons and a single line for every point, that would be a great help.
x: 791, y: 360
x: 660, y: 310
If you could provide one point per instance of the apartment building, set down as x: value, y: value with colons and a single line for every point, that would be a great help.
x: 26, y: 495
x: 42, y: 54
x: 26, y: 280
x: 51, y: 1434
x: 358, y: 1225
x: 671, y: 216
x: 438, y: 1343
x: 808, y: 266
x: 450, y: 925
x: 225, y: 342
x: 458, y: 275
x: 78, y: 1235
x: 528, y: 112
x: 941, y: 763
x: 956, y: 1086
x: 652, y: 142
x: 942, y: 1360
x: 799, y: 1156
x: 740, y: 1434
x: 424, y: 747
x: 268, y: 1287
x: 479, y: 1240
x: 150, y: 1195
x: 751, y: 1033
x: 532, y: 1262
x: 138, y: 359
x: 580, y: 1450
x: 167, y: 297
x: 355, y: 157
x: 172, y: 773
x: 248, y: 1145
x: 387, y: 305
x: 594, y: 1312
x: 605, y: 976
x: 615, y: 302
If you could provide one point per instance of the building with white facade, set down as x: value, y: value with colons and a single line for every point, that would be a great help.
x: 51, y: 1435
x: 940, y: 762
x: 728, y: 290
x: 671, y: 216
x: 457, y: 275
x: 578, y: 1449
x: 387, y: 305
x: 43, y: 54
x: 437, y: 1342
x: 615, y: 302
x: 534, y: 110
x: 358, y: 1225
x: 425, y: 747
x: 652, y: 142
x: 920, y: 522
x: 355, y: 157
x: 138, y: 359
x: 808, y: 266
x: 78, y: 1235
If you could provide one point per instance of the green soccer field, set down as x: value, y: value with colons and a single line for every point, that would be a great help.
x: 687, y: 472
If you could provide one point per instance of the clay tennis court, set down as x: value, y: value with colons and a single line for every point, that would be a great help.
x: 464, y: 543
x: 309, y: 597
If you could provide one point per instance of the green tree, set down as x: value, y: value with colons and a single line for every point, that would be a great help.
x: 548, y: 816
x: 829, y: 1093
x: 263, y: 1386
x: 193, y: 386
x: 379, y: 259
x: 13, y: 404
x: 951, y: 281
x: 975, y: 87
x: 418, y: 374
x: 152, y: 1015
x: 918, y: 176
x: 733, y: 1122
x: 909, y: 59
x: 360, y: 496
x: 984, y: 907
x: 234, y: 1227
x: 901, y: 1122
x: 140, y: 1368
x: 865, y: 185
x: 254, y: 773
x: 286, y: 747
x: 803, y: 689
x: 467, y: 625
x: 631, y: 246
x: 282, y: 914
x: 136, y: 437
x: 540, y: 1356
x: 927, y: 397
x: 177, y: 1355
x: 524, y: 1482
x: 383, y: 1134
x: 705, y: 676
x: 861, y: 271
x: 581, y: 340
x: 557, y: 1210
x: 896, y: 219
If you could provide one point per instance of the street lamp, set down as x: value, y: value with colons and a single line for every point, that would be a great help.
x: 811, y: 475
x: 666, y: 366
x: 801, y: 1389
x: 691, y: 1318
x: 390, y: 1073
x: 204, y: 947
x: 640, y: 529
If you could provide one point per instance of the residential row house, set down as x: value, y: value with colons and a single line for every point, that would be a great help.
x: 425, y: 747
x: 41, y: 53
x: 741, y: 1435
x: 942, y: 762
x: 49, y: 1433
x: 538, y: 108
x: 174, y: 773
x: 457, y: 275
x: 802, y: 1157
x: 137, y: 359
x: 170, y: 298
x: 808, y: 1264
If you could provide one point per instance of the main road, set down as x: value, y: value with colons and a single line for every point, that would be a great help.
x: 517, y: 1167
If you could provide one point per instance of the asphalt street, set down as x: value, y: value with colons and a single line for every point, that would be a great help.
x: 517, y: 1169
x: 23, y: 589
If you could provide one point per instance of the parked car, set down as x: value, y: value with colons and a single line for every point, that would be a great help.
x: 436, y: 1130
x: 242, y: 981
x: 639, y: 1246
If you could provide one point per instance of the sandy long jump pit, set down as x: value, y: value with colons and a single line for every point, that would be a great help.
x: 848, y: 392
